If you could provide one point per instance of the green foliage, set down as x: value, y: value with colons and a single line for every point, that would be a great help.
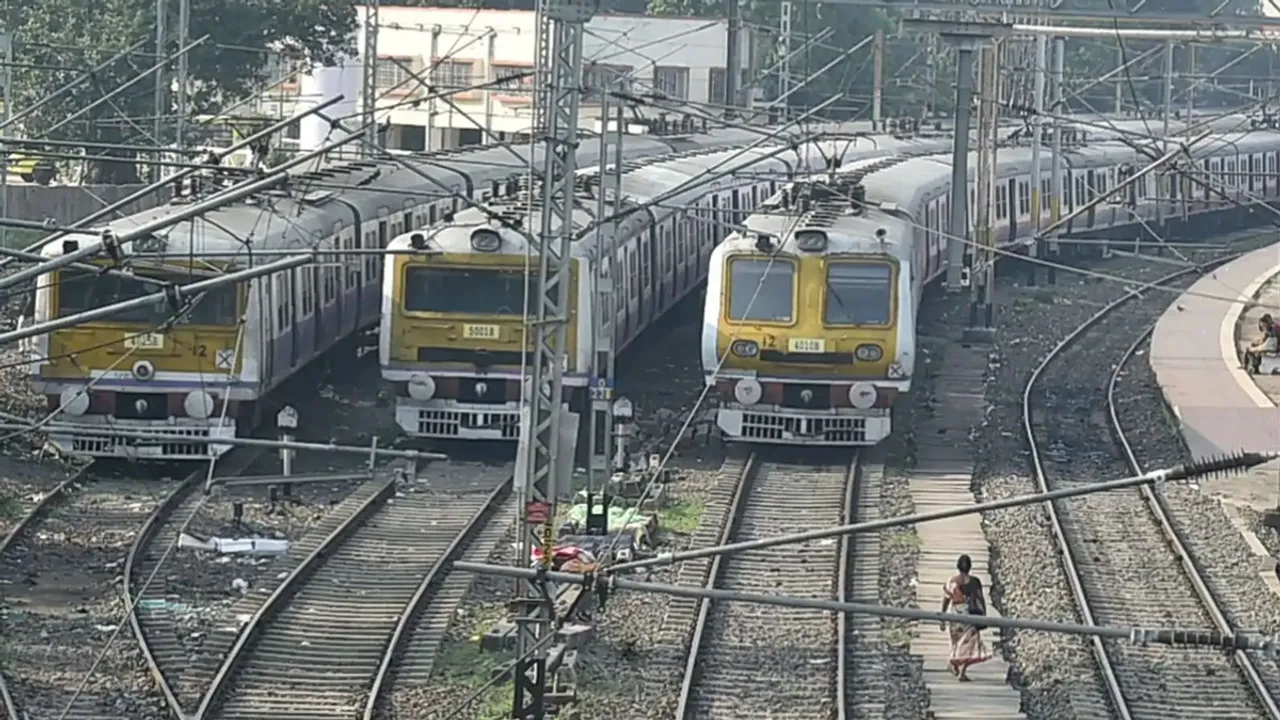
x: 681, y: 517
x: 8, y: 506
x: 55, y: 40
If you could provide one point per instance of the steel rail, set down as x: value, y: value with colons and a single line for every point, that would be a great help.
x: 1074, y: 577
x: 1177, y: 541
x: 239, y: 460
x: 11, y: 709
x: 704, y: 606
x: 218, y: 687
x: 413, y: 609
x: 844, y: 588
x: 695, y: 667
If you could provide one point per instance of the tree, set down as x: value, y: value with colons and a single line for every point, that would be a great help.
x: 57, y: 39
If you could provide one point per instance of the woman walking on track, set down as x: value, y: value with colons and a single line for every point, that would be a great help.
x: 963, y: 596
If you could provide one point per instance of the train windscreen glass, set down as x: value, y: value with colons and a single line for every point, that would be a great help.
x: 480, y: 291
x: 859, y: 294
x: 78, y: 291
x: 761, y: 290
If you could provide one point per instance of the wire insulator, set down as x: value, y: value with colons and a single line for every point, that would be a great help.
x: 1220, y: 465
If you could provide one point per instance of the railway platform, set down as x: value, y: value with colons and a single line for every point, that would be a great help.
x: 1195, y: 355
x: 942, y: 479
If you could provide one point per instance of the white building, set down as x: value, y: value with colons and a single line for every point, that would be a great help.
x: 456, y: 48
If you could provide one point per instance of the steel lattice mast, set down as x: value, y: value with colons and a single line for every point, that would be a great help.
x: 369, y: 76
x: 561, y: 24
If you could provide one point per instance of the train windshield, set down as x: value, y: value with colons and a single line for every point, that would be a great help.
x: 79, y: 291
x: 473, y: 291
x: 859, y: 293
x: 761, y: 290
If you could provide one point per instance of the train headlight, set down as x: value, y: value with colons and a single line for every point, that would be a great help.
x: 485, y: 241
x: 74, y: 401
x: 198, y: 404
x: 863, y: 395
x: 868, y: 352
x: 144, y: 370
x: 897, y: 372
x: 422, y: 387
x: 747, y: 392
x: 745, y: 348
x: 811, y: 240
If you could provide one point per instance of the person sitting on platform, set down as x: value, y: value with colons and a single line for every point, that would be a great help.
x: 1267, y: 344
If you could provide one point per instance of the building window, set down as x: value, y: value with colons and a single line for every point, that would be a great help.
x: 672, y: 82
x: 282, y: 70
x: 451, y: 75
x: 506, y: 76
x: 393, y: 76
x: 597, y: 77
x: 715, y: 94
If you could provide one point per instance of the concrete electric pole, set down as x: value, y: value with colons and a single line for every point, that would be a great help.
x: 982, y: 264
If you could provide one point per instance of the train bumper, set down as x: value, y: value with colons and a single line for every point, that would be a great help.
x: 785, y: 426
x: 452, y: 420
x: 91, y: 436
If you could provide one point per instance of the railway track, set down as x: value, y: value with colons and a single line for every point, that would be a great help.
x: 725, y: 673
x: 350, y: 618
x: 64, y: 551
x: 1125, y: 560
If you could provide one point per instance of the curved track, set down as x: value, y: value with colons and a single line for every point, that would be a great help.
x: 729, y: 671
x: 1125, y: 561
x: 324, y: 638
x: 89, y: 517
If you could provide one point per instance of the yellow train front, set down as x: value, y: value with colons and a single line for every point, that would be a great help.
x: 808, y: 328
x: 452, y: 338
x: 135, y: 371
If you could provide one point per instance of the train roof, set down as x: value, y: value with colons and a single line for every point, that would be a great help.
x: 322, y: 195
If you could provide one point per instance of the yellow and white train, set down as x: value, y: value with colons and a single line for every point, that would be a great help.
x: 810, y: 316
x: 452, y: 336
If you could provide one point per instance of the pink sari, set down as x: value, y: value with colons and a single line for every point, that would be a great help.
x: 967, y: 647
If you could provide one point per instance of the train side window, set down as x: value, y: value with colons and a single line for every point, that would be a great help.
x: 278, y: 293
x: 631, y: 273
x: 290, y: 298
x: 431, y: 215
x: 715, y: 214
x: 371, y: 262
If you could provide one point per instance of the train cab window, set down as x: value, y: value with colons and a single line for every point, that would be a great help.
x: 859, y: 294
x: 761, y: 290
x: 78, y: 292
x: 475, y: 291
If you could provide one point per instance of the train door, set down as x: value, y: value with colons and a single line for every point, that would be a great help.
x: 1014, y: 208
x: 634, y: 294
x: 648, y: 277
x: 288, y: 283
x: 269, y: 296
x: 1090, y: 185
